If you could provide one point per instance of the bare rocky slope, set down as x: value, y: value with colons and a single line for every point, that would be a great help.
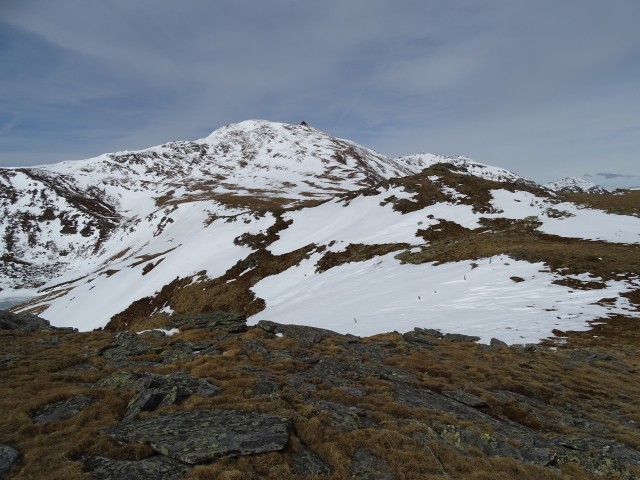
x: 223, y: 400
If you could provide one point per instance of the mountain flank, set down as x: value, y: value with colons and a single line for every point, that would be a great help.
x: 270, y: 219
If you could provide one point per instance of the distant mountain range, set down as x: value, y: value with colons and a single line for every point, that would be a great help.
x: 284, y: 222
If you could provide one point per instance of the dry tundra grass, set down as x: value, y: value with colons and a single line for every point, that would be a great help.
x: 601, y: 390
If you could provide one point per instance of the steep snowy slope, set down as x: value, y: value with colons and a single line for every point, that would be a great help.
x: 370, y: 261
x: 56, y: 218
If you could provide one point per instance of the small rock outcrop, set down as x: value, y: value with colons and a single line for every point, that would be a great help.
x: 126, y: 344
x: 306, y: 462
x: 62, y: 410
x: 24, y: 322
x: 367, y: 466
x: 154, y: 391
x: 9, y: 456
x: 303, y: 334
x: 204, y: 436
x: 156, y: 468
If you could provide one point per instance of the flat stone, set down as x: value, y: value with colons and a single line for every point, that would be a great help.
x: 303, y: 334
x: 9, y: 456
x: 365, y: 465
x: 126, y: 344
x: 204, y: 436
x: 344, y: 417
x: 154, y: 390
x: 25, y: 322
x: 467, y: 398
x: 156, y: 468
x: 62, y: 410
x: 459, y: 338
x: 306, y: 462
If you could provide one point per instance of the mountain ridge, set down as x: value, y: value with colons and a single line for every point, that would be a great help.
x: 261, y: 202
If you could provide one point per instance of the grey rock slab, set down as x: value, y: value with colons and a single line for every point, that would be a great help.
x: 9, y: 456
x: 344, y: 417
x: 365, y: 465
x: 23, y: 321
x: 204, y: 436
x: 156, y: 468
x: 62, y: 410
x: 303, y: 334
x: 306, y: 462
x: 154, y: 390
x: 459, y: 338
x: 467, y: 398
x: 126, y: 344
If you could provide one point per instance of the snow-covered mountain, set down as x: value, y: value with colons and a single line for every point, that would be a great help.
x: 288, y: 223
x: 465, y: 165
x: 576, y: 185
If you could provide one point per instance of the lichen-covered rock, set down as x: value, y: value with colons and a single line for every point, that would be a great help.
x: 303, y: 334
x: 265, y: 387
x: 497, y: 344
x: 126, y: 344
x: 459, y: 338
x: 365, y: 465
x: 62, y: 410
x: 25, y: 322
x: 9, y: 456
x: 204, y: 436
x: 465, y: 397
x: 154, y: 390
x: 344, y: 417
x: 156, y: 468
x: 231, y: 322
x: 602, y: 457
x: 306, y: 462
x: 423, y: 337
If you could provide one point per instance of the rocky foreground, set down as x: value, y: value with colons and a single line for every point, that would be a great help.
x: 220, y: 400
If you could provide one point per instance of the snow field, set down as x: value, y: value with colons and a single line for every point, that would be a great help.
x: 381, y: 295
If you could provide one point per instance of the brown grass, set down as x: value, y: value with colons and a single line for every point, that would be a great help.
x: 626, y: 203
x: 406, y: 438
x: 356, y: 252
x: 521, y: 240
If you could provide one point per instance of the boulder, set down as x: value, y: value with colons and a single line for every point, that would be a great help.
x: 154, y: 390
x: 204, y: 436
x: 126, y: 344
x: 303, y: 334
x: 306, y: 462
x: 344, y: 417
x: 9, y: 456
x: 23, y: 321
x: 365, y: 465
x: 62, y: 410
x: 459, y: 338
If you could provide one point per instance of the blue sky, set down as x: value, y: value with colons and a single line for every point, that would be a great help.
x: 546, y: 89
